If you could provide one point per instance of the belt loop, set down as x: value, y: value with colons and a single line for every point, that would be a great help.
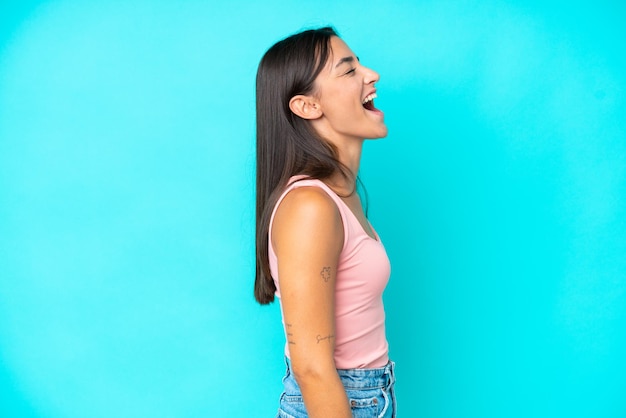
x: 392, y: 374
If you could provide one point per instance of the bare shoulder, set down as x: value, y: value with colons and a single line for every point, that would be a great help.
x: 307, y: 201
x: 307, y: 211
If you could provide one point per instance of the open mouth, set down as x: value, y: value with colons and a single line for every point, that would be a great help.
x: 368, y: 102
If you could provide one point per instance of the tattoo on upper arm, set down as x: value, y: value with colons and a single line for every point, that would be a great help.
x: 328, y: 338
x: 325, y: 273
x: 289, y: 334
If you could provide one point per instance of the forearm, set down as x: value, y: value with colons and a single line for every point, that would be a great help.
x: 324, y: 396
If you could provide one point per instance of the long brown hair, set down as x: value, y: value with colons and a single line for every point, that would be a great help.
x: 286, y: 144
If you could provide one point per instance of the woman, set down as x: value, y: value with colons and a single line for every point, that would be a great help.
x: 316, y: 251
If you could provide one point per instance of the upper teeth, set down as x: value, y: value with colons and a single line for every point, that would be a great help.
x: 370, y: 98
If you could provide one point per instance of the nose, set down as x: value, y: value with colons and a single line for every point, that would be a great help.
x: 371, y: 76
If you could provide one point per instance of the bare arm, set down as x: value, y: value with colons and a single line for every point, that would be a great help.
x: 307, y: 236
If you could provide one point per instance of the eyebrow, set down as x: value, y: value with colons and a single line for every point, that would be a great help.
x: 345, y: 59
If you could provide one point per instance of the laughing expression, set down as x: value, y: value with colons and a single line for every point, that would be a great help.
x: 345, y: 93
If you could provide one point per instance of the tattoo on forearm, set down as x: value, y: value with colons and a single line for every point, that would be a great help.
x: 328, y: 338
x: 325, y: 274
x: 289, y: 334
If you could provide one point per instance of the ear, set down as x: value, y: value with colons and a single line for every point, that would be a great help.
x: 305, y: 107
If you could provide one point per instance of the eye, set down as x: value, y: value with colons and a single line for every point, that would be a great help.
x: 351, y: 71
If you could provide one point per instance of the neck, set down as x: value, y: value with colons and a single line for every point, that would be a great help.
x: 349, y: 154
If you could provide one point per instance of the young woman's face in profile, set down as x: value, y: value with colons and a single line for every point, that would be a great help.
x: 345, y: 91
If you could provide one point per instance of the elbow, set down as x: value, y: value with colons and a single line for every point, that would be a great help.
x: 310, y: 373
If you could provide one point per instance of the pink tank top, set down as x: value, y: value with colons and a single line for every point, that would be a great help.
x: 362, y: 274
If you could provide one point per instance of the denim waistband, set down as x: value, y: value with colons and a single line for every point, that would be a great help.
x: 381, y: 377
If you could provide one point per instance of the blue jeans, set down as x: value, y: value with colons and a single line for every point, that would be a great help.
x: 370, y: 393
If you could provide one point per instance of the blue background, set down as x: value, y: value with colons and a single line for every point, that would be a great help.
x: 127, y: 205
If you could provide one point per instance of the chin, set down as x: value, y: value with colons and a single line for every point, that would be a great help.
x: 381, y: 133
